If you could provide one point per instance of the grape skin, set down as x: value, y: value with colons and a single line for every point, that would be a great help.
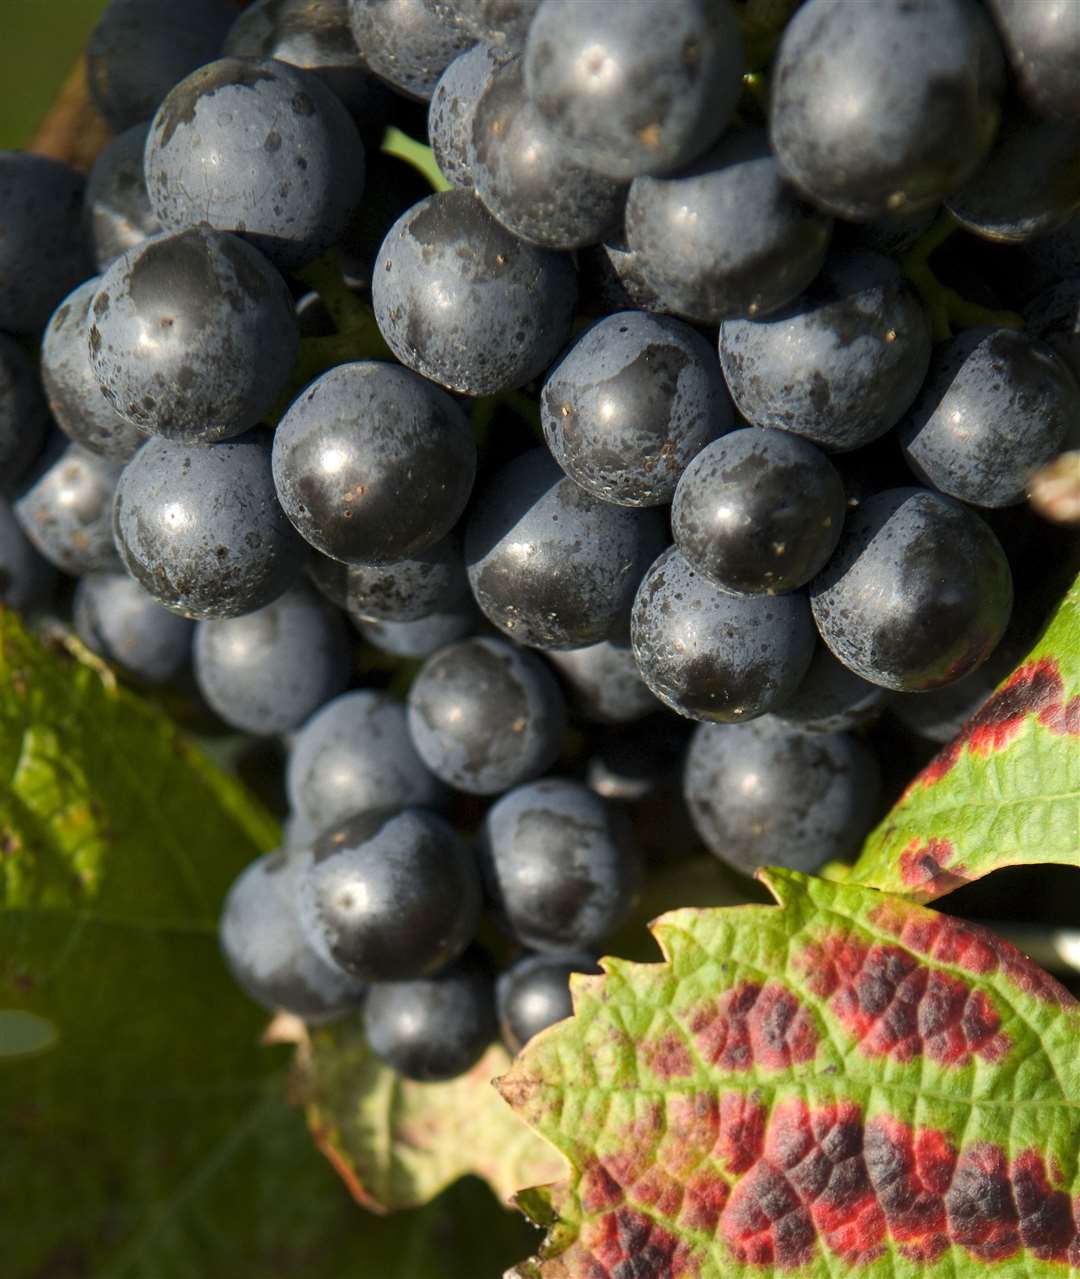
x: 355, y: 755
x: 484, y: 715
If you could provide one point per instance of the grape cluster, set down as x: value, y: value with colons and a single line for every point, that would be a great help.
x: 600, y: 499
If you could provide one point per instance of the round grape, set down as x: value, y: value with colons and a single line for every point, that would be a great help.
x: 116, y: 214
x: 387, y: 491
x: 918, y: 593
x: 435, y: 1028
x: 201, y: 529
x: 192, y: 336
x: 76, y: 399
x: 24, y: 414
x: 637, y: 87
x: 759, y: 511
x: 558, y: 864
x: 631, y: 402
x: 462, y: 301
x: 254, y: 146
x: 389, y: 896
x: 766, y: 794
x: 485, y: 715
x: 115, y: 618
x: 65, y: 508
x: 353, y: 756
x: 696, y: 250
x: 551, y: 565
x: 267, y: 953
x: 713, y: 655
x: 841, y: 364
x: 268, y: 671
x: 535, y: 993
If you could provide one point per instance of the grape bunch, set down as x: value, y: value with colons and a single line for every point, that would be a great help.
x: 656, y: 479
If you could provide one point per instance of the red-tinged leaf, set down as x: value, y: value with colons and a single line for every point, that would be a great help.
x: 1005, y: 792
x: 845, y: 1083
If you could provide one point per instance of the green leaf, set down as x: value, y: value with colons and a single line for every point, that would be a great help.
x: 1005, y: 792
x: 846, y: 1082
x: 397, y: 1143
x: 143, y: 1129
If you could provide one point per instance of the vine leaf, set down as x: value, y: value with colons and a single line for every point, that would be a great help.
x: 846, y: 1082
x: 396, y: 1143
x: 1006, y: 791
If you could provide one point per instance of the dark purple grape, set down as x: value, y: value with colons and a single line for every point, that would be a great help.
x: 630, y: 403
x: 699, y: 253
x: 316, y: 38
x: 462, y: 301
x: 435, y: 1028
x: 485, y: 715
x: 115, y: 618
x: 1043, y: 43
x: 201, y: 529
x: 604, y: 683
x: 713, y: 655
x: 995, y: 407
x: 387, y: 491
x: 268, y: 671
x: 268, y: 955
x: 408, y: 43
x: 24, y: 414
x: 642, y: 86
x: 353, y: 756
x: 76, y: 399
x: 767, y: 794
x: 389, y: 895
x: 886, y: 107
x: 192, y: 336
x: 65, y: 508
x: 759, y: 511
x: 841, y: 364
x: 523, y: 177
x: 918, y: 593
x: 559, y: 865
x: 534, y: 994
x: 140, y: 48
x: 832, y: 699
x: 550, y: 565
x: 255, y: 146
x: 117, y: 215
x: 43, y: 254
x: 453, y: 105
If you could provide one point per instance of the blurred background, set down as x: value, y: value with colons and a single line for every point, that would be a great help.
x: 38, y: 48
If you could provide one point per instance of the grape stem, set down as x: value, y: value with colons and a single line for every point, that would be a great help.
x: 422, y: 158
x: 763, y: 23
x: 948, y: 311
x: 482, y: 412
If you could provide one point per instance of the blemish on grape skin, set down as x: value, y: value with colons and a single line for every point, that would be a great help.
x: 897, y: 1006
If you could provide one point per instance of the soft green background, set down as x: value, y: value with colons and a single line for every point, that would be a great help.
x: 39, y: 42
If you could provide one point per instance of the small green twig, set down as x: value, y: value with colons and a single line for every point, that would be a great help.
x: 948, y: 311
x: 422, y: 158
x: 348, y: 312
x: 482, y: 412
x: 763, y: 23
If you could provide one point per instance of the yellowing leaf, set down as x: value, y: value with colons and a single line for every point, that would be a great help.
x: 397, y: 1143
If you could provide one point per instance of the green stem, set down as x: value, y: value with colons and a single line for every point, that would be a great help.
x: 948, y: 311
x: 763, y: 23
x: 403, y: 147
x: 349, y: 313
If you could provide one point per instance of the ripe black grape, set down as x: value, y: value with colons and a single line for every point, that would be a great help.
x: 436, y: 1027
x: 485, y: 715
x: 389, y: 896
x: 759, y: 511
x: 712, y: 655
x: 629, y: 405
x: 535, y: 993
x: 918, y: 593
